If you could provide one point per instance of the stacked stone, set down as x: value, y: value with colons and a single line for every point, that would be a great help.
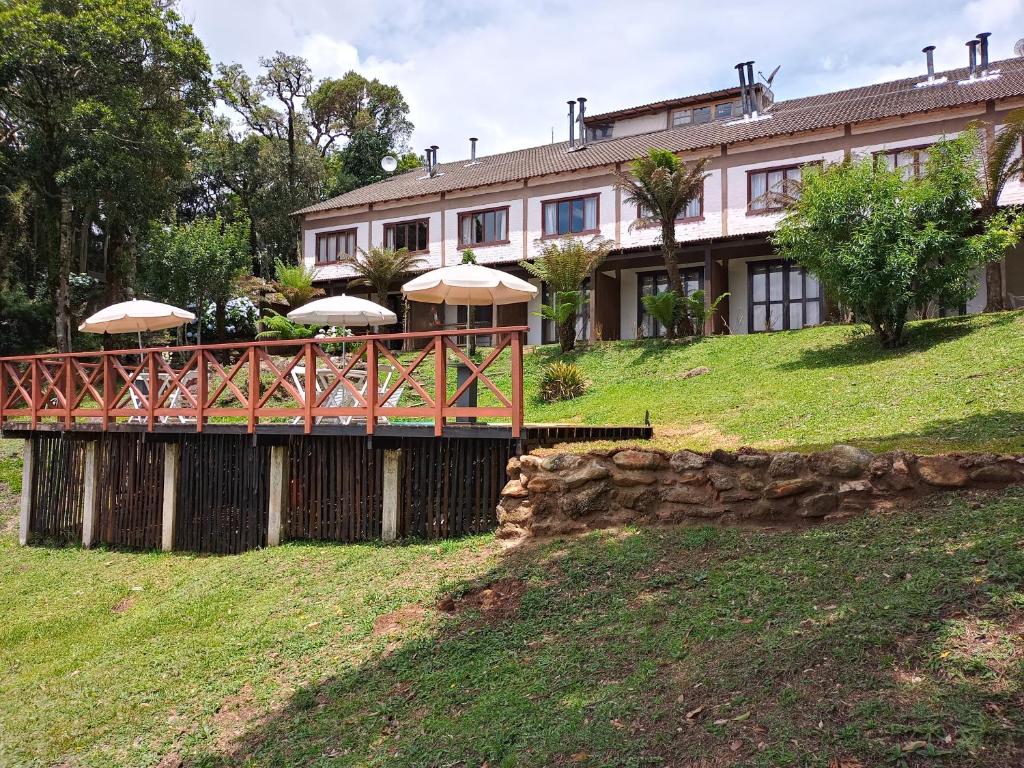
x: 568, y: 493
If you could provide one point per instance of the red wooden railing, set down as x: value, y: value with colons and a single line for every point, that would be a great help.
x: 364, y: 384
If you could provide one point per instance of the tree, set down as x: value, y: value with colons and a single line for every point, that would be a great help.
x: 198, y: 264
x: 350, y: 105
x: 379, y: 268
x: 95, y: 96
x: 296, y: 285
x: 331, y: 134
x: 564, y: 265
x: 661, y: 185
x: 358, y: 164
x: 884, y: 245
x: 1000, y: 159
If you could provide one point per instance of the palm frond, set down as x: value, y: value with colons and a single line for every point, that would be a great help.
x: 379, y: 267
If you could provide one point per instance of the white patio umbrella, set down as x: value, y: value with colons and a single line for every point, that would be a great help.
x: 136, y: 316
x: 468, y: 284
x: 471, y: 285
x: 344, y: 311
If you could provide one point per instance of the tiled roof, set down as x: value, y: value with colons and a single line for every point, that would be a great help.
x: 656, y: 106
x: 872, y: 102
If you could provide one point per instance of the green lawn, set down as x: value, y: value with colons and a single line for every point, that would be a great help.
x: 894, y: 640
x: 956, y: 385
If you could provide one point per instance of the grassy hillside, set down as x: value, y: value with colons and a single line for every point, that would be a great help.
x: 887, y: 641
x: 956, y: 385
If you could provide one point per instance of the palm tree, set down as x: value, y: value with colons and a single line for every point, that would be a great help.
x: 564, y: 265
x: 661, y: 185
x: 379, y: 267
x: 295, y: 284
x: 1000, y: 162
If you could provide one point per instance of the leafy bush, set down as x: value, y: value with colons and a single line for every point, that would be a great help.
x: 664, y: 307
x: 883, y: 245
x: 240, y: 316
x: 667, y: 308
x: 26, y: 326
x: 562, y: 381
x: 276, y: 327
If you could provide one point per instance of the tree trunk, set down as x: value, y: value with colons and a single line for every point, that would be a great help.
x: 220, y: 313
x: 114, y: 267
x: 83, y: 243
x: 62, y: 294
x: 675, y: 282
x: 567, y: 334
x: 994, y: 286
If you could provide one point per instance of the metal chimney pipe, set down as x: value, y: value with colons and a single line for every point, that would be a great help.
x: 433, y: 158
x: 744, y: 101
x: 472, y: 148
x: 983, y: 39
x: 972, y: 67
x: 927, y: 51
x: 755, y: 107
x: 583, y: 125
x: 426, y: 155
x: 572, y: 124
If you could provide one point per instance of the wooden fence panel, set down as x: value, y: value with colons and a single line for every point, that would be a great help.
x: 223, y: 494
x: 335, y: 489
x: 57, y: 489
x: 451, y: 486
x: 130, y: 493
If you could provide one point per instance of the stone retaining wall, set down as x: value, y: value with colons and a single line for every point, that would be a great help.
x: 568, y: 493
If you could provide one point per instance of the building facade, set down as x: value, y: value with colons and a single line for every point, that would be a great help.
x: 506, y: 206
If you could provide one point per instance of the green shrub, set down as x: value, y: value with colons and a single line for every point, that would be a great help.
x: 562, y: 381
x: 26, y: 325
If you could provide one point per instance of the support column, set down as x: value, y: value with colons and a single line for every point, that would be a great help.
x: 389, y: 524
x: 90, y: 504
x: 172, y: 463
x: 278, y: 493
x: 28, y: 474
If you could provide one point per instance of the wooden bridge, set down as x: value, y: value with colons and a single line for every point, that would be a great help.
x: 227, y: 447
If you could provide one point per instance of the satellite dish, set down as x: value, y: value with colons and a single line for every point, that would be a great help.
x: 388, y: 163
x: 768, y: 80
x: 1018, y: 47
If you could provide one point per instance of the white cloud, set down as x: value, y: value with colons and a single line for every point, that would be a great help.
x: 503, y: 70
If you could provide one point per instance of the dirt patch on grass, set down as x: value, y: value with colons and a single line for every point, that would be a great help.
x: 398, y: 620
x: 496, y: 601
x: 233, y: 718
x: 123, y: 605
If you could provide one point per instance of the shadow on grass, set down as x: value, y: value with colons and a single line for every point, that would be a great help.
x: 994, y: 431
x: 863, y: 348
x: 677, y: 646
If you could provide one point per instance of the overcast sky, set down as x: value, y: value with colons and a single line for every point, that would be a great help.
x: 503, y: 70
